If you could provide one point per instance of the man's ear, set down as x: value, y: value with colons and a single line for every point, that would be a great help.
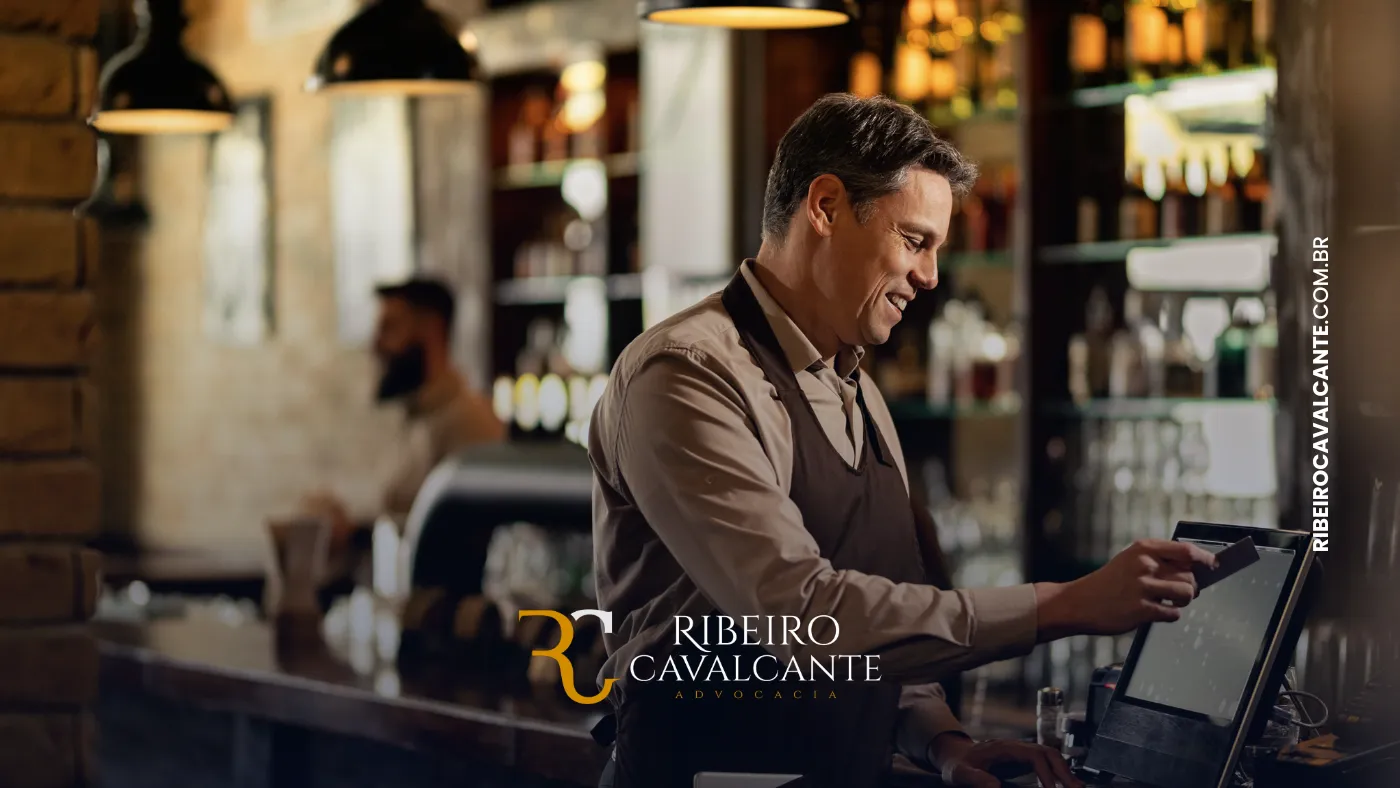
x: 826, y: 196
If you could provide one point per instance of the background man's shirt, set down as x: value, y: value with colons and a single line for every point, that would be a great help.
x: 443, y: 417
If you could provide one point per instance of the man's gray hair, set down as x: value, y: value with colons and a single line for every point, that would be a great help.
x: 870, y: 144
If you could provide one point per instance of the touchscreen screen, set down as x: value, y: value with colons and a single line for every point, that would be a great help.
x: 1202, y: 662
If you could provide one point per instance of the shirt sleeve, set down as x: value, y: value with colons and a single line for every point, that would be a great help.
x: 688, y: 456
x: 414, y: 460
x: 923, y: 715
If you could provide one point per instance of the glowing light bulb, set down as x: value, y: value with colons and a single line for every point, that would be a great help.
x: 1196, y: 174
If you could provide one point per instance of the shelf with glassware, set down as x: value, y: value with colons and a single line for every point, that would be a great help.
x: 949, y: 371
x: 955, y: 61
x: 1152, y: 293
x: 566, y: 275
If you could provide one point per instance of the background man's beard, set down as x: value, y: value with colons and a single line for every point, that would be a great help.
x: 404, y: 373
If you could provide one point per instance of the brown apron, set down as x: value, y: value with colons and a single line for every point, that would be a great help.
x: 862, y: 520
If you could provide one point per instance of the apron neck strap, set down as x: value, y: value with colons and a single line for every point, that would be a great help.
x: 757, y: 334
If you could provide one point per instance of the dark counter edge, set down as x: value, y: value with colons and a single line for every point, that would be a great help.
x: 539, y: 748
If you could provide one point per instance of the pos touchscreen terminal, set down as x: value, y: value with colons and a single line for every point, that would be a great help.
x: 1191, y: 691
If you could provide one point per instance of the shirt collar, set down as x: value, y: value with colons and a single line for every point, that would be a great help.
x: 801, y: 354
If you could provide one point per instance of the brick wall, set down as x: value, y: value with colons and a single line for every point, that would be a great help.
x: 216, y: 439
x: 49, y: 484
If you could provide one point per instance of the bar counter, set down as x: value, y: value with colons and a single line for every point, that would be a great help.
x: 175, y: 689
x: 191, y: 702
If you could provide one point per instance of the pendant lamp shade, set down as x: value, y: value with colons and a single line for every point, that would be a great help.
x: 749, y: 14
x: 154, y: 86
x: 398, y: 47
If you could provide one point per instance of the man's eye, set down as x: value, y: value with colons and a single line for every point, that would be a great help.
x: 912, y: 243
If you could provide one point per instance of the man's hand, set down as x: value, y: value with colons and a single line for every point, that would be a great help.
x: 1149, y: 581
x: 326, y: 505
x: 970, y: 764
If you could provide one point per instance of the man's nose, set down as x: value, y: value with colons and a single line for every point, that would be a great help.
x: 925, y: 277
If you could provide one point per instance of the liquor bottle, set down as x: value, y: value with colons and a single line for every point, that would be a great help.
x: 1255, y: 195
x: 1115, y: 24
x: 522, y: 146
x: 1147, y: 31
x: 1098, y: 328
x: 555, y: 141
x: 1174, y: 40
x: 1221, y: 208
x: 975, y: 224
x: 1262, y: 363
x: 1193, y: 28
x: 938, y: 386
x: 1124, y: 361
x: 634, y: 123
x: 988, y: 78
x: 1005, y: 64
x: 964, y: 57
x: 1264, y: 32
x: 1231, y: 352
x: 1137, y: 213
x: 942, y: 86
x: 867, y: 77
x: 1182, y: 377
x: 1136, y: 361
x: 1241, y: 35
x: 1172, y: 213
x: 911, y: 71
x: 1087, y: 226
x: 1217, y: 24
x: 1078, y: 352
x: 1088, y: 47
x: 1151, y: 344
x: 996, y: 204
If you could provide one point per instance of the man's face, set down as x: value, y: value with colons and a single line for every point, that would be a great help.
x: 872, y: 270
x: 398, y: 345
x: 397, y: 329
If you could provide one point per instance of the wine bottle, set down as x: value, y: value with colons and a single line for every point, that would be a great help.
x: 1115, y: 24
x: 1150, y: 343
x: 1087, y: 230
x: 1262, y: 363
x: 1174, y: 40
x: 1088, y: 48
x: 1098, y: 328
x: 1193, y: 28
x: 1254, y: 193
x: 1231, y: 354
x: 867, y: 77
x: 1264, y: 46
x: 1217, y: 31
x: 1241, y: 35
x: 1147, y: 30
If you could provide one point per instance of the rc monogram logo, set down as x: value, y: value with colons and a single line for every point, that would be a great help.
x: 566, y: 638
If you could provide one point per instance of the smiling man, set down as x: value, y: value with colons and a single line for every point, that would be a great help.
x: 745, y: 468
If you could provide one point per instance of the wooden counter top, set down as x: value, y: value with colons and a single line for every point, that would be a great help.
x: 240, y: 670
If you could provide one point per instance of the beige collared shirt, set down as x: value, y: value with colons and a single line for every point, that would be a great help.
x: 442, y: 418
x: 692, y: 457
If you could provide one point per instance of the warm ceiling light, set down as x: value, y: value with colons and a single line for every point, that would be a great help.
x: 154, y: 86
x: 751, y: 15
x: 396, y: 47
x: 583, y: 75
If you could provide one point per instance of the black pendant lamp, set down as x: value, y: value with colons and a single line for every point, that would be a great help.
x: 154, y: 86
x: 105, y: 204
x: 749, y: 14
x: 395, y: 47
